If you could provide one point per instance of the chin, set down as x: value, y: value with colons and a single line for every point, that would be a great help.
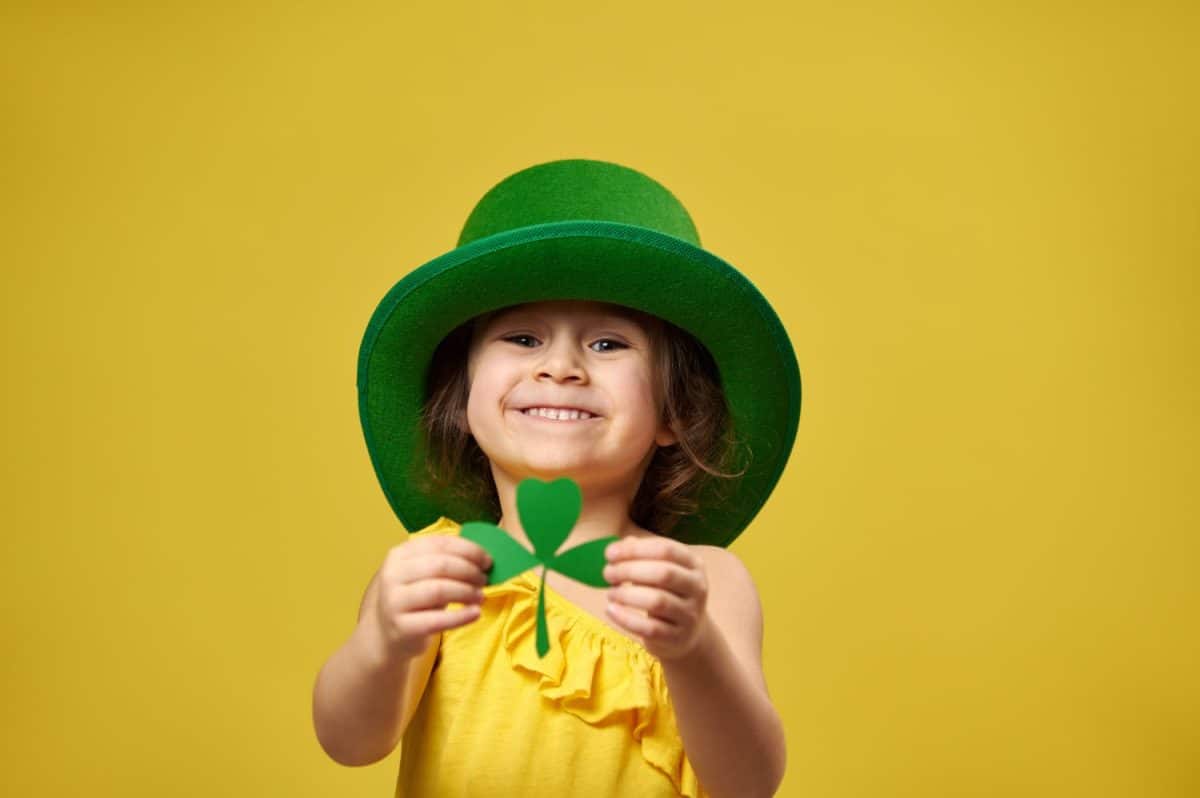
x: 547, y: 470
x: 547, y: 464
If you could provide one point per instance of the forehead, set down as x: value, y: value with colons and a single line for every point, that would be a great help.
x: 578, y: 309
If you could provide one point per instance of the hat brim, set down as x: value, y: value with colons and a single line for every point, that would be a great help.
x: 593, y: 260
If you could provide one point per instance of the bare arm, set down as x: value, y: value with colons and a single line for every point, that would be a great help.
x: 711, y: 655
x: 730, y: 730
x: 364, y: 697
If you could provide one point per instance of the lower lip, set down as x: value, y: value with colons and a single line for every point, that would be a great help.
x: 556, y: 420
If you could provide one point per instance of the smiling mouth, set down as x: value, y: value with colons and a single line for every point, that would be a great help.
x: 558, y: 413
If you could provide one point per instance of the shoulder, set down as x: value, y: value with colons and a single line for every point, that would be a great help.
x: 442, y: 526
x: 729, y: 578
x: 734, y: 605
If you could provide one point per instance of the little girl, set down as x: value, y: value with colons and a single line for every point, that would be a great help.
x: 578, y: 330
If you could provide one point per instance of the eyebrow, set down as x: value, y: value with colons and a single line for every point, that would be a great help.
x: 600, y: 320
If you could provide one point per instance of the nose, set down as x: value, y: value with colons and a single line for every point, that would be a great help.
x: 561, y: 362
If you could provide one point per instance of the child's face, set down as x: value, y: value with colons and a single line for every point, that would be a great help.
x: 567, y: 356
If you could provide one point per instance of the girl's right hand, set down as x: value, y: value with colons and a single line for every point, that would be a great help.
x: 416, y: 581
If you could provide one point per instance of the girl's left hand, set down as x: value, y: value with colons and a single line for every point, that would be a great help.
x: 665, y: 579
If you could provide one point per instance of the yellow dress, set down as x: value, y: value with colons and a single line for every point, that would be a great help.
x: 592, y: 718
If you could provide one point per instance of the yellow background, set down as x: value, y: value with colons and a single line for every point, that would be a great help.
x: 980, y: 224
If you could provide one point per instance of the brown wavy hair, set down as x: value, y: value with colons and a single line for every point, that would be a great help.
x: 694, y: 409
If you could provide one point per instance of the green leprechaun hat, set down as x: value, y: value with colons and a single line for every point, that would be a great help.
x: 588, y: 230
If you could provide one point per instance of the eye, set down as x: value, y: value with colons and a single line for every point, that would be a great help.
x: 613, y: 345
x: 521, y: 340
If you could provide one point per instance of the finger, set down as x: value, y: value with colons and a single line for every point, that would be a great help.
x: 450, y: 544
x: 432, y: 621
x: 429, y: 594
x: 438, y: 564
x: 656, y: 573
x: 658, y: 604
x: 645, y: 627
x: 653, y: 548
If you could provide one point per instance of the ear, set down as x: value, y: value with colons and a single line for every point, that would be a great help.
x: 664, y: 436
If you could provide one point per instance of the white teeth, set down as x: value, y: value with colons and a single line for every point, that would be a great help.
x: 557, y: 414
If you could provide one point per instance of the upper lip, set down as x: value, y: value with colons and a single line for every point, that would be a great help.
x: 552, y: 406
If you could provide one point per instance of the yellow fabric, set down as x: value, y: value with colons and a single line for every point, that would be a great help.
x: 592, y: 718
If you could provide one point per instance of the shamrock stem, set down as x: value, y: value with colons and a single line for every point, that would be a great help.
x: 543, y: 633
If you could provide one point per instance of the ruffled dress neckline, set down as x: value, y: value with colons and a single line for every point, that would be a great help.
x: 577, y: 615
x: 593, y: 672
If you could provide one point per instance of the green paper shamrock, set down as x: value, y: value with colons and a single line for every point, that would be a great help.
x: 548, y: 511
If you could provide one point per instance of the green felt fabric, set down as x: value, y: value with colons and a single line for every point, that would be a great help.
x: 528, y: 240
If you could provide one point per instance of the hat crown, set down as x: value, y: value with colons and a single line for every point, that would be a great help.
x: 578, y: 189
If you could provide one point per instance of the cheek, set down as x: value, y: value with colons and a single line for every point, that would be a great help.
x: 641, y: 389
x: 484, y: 396
x: 474, y: 404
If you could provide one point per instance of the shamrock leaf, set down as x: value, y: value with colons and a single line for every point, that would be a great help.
x: 509, y: 557
x: 585, y: 563
x: 548, y: 511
